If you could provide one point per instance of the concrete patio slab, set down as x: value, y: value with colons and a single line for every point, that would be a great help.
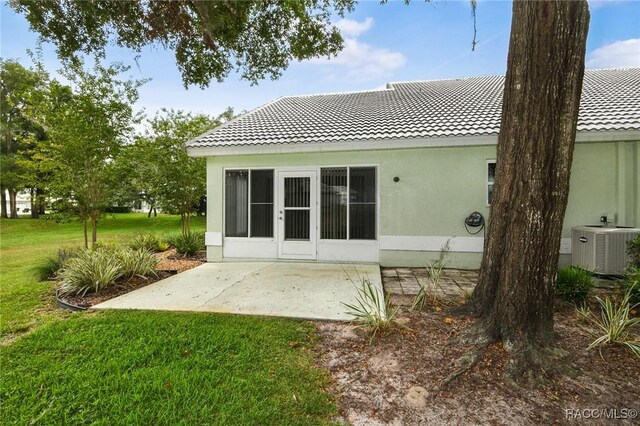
x: 288, y: 289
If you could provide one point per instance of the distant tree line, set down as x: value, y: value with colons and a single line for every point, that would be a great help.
x: 76, y: 144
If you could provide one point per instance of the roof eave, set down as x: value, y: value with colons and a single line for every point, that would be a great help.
x: 385, y: 144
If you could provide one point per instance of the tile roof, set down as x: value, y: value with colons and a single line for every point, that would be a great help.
x: 420, y: 109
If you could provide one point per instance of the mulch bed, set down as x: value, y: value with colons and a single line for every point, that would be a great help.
x: 169, y: 263
x: 392, y: 381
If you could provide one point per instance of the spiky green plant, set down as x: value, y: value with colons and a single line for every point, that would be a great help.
x: 141, y: 263
x: 89, y: 271
x: 616, y: 324
x: 372, y: 308
x: 583, y: 313
x: 147, y: 241
x: 435, y: 268
x: 632, y: 283
x: 50, y: 266
x: 574, y: 284
x: 189, y: 244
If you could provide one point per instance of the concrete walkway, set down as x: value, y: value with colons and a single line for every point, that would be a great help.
x: 287, y: 289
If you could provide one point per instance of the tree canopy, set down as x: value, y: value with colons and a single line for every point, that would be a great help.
x: 19, y: 87
x: 88, y: 123
x: 259, y: 38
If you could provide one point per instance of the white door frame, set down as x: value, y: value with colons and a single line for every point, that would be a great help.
x: 298, y: 249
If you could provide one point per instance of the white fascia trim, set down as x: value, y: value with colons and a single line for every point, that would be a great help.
x: 382, y: 144
x: 608, y: 136
x: 289, y: 148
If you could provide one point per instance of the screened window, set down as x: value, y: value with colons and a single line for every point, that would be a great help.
x: 249, y: 203
x: 491, y: 175
x: 348, y: 203
x: 236, y: 208
x: 333, y: 203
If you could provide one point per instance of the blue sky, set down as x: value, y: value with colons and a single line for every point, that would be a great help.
x: 383, y: 43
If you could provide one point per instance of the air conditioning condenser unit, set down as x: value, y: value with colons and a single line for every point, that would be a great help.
x: 601, y: 250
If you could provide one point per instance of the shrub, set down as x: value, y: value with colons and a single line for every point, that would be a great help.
x: 372, y: 308
x: 616, y: 323
x: 189, y: 244
x: 89, y: 271
x: 141, y: 263
x: 633, y: 250
x: 148, y: 242
x: 631, y: 283
x: 435, y: 268
x: 574, y: 284
x: 117, y: 209
x: 50, y: 266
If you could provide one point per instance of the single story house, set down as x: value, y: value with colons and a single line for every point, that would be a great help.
x: 388, y: 176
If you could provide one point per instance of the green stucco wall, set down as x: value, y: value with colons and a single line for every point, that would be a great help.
x: 439, y: 187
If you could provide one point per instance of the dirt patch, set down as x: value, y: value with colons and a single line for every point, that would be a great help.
x: 392, y: 381
x: 169, y: 263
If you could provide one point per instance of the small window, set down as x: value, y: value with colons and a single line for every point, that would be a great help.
x: 333, y: 203
x: 236, y: 208
x: 362, y: 203
x: 491, y: 175
x: 348, y: 203
x: 249, y: 203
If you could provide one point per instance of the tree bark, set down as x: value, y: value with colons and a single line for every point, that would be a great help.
x: 40, y: 196
x: 94, y: 229
x: 13, y: 207
x: 35, y: 211
x: 186, y: 223
x: 545, y: 67
x: 3, y: 200
x: 84, y: 231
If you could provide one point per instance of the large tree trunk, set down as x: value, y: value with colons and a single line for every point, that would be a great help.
x: 186, y: 223
x: 40, y: 196
x: 94, y: 229
x: 3, y: 200
x: 13, y: 206
x: 545, y: 68
x: 84, y: 232
x: 35, y: 211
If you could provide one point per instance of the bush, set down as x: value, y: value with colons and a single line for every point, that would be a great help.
x: 189, y: 244
x: 616, y: 323
x: 372, y: 309
x: 89, y: 271
x: 50, y: 267
x: 631, y: 283
x: 148, y: 242
x: 573, y: 284
x: 435, y: 269
x: 93, y: 270
x: 118, y: 209
x: 633, y: 250
x: 141, y: 263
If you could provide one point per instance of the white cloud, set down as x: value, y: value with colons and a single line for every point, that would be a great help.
x: 619, y: 54
x: 361, y: 60
x: 351, y: 28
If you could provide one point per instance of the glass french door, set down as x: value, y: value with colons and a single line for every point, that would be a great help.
x: 297, y: 213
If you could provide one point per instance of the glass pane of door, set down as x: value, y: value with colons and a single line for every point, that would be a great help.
x: 297, y: 208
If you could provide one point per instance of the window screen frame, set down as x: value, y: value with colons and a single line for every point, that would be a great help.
x: 376, y: 209
x: 274, y: 203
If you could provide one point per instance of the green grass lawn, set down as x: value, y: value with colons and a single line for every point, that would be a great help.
x: 24, y: 301
x: 163, y: 368
x: 141, y: 367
